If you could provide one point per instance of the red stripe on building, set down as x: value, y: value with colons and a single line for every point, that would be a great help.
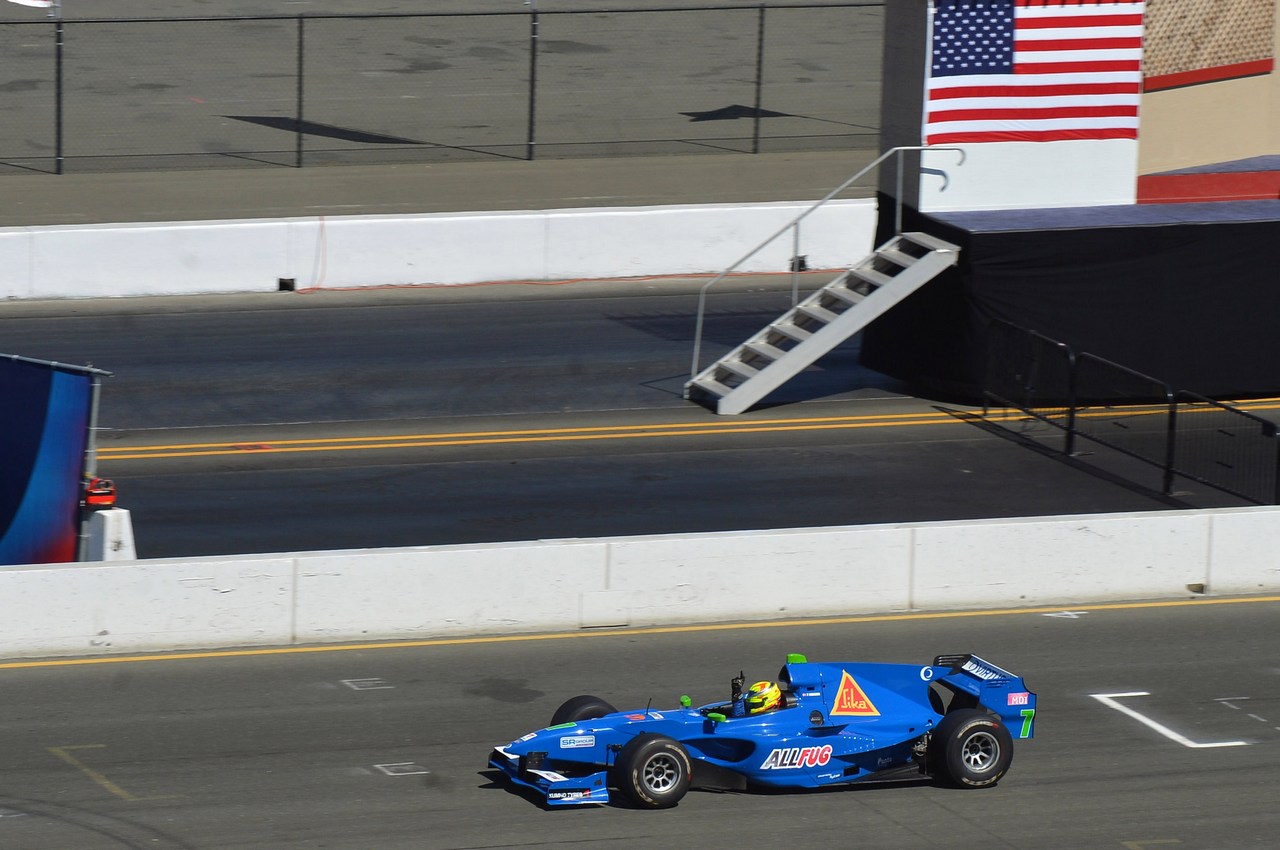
x: 1189, y: 188
x: 1209, y: 75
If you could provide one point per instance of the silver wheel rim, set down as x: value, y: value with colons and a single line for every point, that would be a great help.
x: 661, y: 773
x: 980, y: 752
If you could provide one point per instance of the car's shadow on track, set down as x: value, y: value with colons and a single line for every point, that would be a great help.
x: 846, y: 788
x: 494, y: 783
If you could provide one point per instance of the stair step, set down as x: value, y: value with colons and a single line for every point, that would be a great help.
x: 899, y: 258
x: 871, y: 276
x: 933, y: 243
x: 845, y: 294
x: 764, y: 349
x: 739, y: 368
x: 712, y: 386
x: 817, y: 311
x: 791, y: 331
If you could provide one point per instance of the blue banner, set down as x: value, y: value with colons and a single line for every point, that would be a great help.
x: 44, y: 431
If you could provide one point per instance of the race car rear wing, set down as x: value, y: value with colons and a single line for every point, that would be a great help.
x: 993, y: 688
x: 974, y: 666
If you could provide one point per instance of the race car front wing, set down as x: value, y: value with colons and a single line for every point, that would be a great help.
x: 556, y: 788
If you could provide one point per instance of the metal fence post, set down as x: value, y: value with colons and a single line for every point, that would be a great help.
x: 57, y: 96
x: 1073, y: 401
x: 1170, y: 455
x: 755, y: 131
x: 532, y: 139
x: 301, y: 70
x: 897, y: 200
x: 1275, y: 495
x: 795, y: 265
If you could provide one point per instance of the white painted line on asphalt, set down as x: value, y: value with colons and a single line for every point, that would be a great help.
x: 406, y: 768
x: 1109, y: 700
x: 1228, y: 700
x: 366, y: 684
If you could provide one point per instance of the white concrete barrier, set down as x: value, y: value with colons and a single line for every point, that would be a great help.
x: 441, y: 591
x: 1040, y: 561
x: 183, y: 258
x: 88, y: 608
x: 110, y: 536
x: 383, y: 593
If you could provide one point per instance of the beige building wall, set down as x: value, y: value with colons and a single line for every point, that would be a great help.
x: 1210, y: 122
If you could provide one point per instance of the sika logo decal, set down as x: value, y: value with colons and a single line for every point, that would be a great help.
x: 850, y: 701
x: 792, y: 757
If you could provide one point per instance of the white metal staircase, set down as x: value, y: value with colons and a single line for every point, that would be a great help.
x: 822, y: 321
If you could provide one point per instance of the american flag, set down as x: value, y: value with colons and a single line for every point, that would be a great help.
x: 1034, y: 70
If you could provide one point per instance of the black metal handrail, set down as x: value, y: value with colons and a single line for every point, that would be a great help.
x: 1181, y: 433
x: 793, y: 227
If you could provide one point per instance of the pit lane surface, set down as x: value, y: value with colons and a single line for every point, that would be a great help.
x: 384, y: 746
x: 477, y: 414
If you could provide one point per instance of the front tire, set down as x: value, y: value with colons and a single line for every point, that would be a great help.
x: 653, y: 771
x: 971, y: 749
x: 585, y: 707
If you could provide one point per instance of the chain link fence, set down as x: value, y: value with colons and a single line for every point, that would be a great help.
x: 112, y: 95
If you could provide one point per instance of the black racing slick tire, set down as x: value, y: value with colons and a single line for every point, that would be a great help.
x: 653, y: 771
x: 585, y: 707
x: 970, y: 749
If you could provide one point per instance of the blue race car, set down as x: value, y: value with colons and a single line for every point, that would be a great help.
x: 820, y: 724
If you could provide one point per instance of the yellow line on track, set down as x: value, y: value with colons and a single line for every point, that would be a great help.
x: 604, y: 633
x: 546, y: 435
x: 602, y: 432
x: 64, y: 754
x: 97, y: 776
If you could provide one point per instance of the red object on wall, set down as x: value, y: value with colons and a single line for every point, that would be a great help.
x: 1226, y: 186
x: 100, y: 493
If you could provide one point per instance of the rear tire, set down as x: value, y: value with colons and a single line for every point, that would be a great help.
x: 970, y: 749
x: 585, y: 707
x: 653, y: 771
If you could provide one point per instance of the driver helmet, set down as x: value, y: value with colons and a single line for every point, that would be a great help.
x: 762, y: 697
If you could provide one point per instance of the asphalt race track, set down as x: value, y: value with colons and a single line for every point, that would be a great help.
x: 332, y: 420
x: 317, y: 421
x: 384, y: 746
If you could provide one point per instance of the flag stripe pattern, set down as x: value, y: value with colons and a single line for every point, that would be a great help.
x: 1034, y: 70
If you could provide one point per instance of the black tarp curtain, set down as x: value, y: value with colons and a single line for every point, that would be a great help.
x: 1195, y: 305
